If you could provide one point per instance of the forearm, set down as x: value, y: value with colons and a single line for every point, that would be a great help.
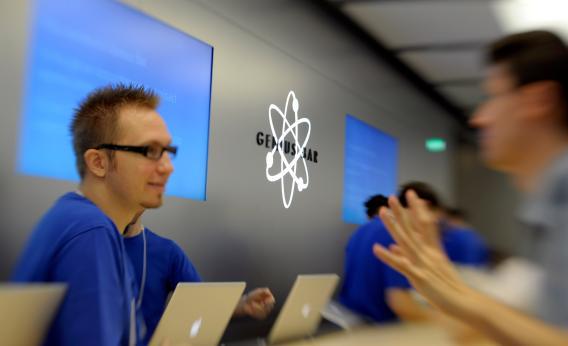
x: 419, y: 314
x: 506, y: 325
x: 405, y: 306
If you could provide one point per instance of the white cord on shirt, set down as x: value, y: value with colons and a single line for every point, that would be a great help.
x: 144, y: 269
x: 132, y: 336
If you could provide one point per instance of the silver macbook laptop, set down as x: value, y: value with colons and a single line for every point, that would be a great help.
x: 198, y: 313
x: 27, y: 310
x: 301, y: 313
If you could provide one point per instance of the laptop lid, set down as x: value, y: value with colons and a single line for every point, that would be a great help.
x: 27, y: 310
x: 198, y: 313
x: 301, y: 314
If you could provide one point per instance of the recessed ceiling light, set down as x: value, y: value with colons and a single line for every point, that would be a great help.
x: 523, y: 15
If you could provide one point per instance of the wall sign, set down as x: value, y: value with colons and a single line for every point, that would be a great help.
x: 297, y: 131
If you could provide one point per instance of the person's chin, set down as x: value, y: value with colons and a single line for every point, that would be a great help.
x: 496, y: 162
x: 153, y: 204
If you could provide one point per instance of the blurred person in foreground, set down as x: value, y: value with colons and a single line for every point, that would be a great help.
x: 524, y: 133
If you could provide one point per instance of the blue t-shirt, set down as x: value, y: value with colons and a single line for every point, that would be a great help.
x: 366, y: 279
x: 166, y: 266
x: 465, y: 246
x: 77, y: 244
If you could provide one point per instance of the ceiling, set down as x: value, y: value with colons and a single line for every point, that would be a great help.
x: 442, y: 41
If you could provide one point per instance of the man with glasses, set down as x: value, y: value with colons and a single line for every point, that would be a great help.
x: 524, y: 133
x: 122, y: 148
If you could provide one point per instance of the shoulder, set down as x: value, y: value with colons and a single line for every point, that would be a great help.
x: 371, y: 226
x: 372, y: 231
x: 378, y: 229
x: 553, y: 189
x: 165, y: 244
x: 72, y: 215
x: 181, y: 266
x: 464, y: 233
x: 558, y: 191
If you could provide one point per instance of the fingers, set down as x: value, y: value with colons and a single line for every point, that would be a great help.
x: 402, y: 236
x: 400, y: 213
x: 397, y: 250
x: 395, y: 261
x: 403, y: 219
x: 414, y: 229
x: 423, y: 220
x: 417, y: 205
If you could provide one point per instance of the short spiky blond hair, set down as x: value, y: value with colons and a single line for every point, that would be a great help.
x: 95, y: 121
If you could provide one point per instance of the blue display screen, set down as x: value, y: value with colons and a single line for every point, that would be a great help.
x: 77, y: 46
x: 370, y: 167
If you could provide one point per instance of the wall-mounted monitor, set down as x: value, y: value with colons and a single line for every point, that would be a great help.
x: 370, y: 167
x: 77, y: 46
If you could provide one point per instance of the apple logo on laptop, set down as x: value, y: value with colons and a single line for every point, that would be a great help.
x: 195, y: 327
x: 306, y: 309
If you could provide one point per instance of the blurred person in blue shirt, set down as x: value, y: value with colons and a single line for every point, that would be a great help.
x: 370, y: 287
x: 122, y: 148
x: 375, y: 290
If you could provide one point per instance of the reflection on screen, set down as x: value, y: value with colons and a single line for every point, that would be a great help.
x: 72, y: 51
x: 370, y: 167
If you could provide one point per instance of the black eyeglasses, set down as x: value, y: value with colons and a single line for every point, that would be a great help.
x: 153, y: 152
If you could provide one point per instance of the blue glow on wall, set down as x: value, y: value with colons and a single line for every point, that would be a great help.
x: 77, y: 46
x: 370, y: 167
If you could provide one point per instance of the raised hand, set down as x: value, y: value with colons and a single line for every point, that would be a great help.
x: 419, y: 255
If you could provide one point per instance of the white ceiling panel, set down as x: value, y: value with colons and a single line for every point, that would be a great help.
x: 439, y: 66
x: 411, y: 23
x: 442, y: 40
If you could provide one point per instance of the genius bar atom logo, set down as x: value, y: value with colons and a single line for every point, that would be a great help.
x: 288, y: 143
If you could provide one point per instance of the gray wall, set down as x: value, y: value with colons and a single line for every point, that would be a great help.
x: 262, y: 50
x: 489, y: 199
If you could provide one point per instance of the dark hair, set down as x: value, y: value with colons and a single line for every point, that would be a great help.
x: 533, y: 56
x: 373, y: 204
x: 423, y: 190
x: 456, y: 213
x: 95, y: 121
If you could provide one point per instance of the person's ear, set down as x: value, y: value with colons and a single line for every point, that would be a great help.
x: 97, y: 162
x: 541, y: 99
